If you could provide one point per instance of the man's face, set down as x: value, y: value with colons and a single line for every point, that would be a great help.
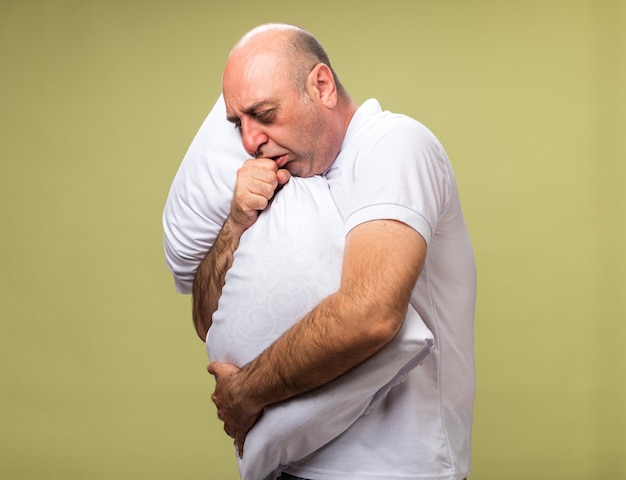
x: 275, y: 118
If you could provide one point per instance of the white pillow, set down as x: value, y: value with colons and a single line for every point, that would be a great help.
x: 199, y: 198
x: 287, y: 262
x: 284, y: 266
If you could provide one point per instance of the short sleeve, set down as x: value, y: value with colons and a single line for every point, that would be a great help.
x: 401, y: 173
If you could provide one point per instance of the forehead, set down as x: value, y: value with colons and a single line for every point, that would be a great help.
x: 251, y: 79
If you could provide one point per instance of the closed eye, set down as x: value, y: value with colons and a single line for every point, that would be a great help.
x: 265, y: 116
x: 235, y: 121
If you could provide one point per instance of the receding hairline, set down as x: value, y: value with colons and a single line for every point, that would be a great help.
x: 267, y: 28
x: 300, y: 50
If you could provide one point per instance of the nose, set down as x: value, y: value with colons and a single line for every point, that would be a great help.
x: 253, y: 137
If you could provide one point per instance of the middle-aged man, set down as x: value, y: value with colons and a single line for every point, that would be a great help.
x: 406, y: 242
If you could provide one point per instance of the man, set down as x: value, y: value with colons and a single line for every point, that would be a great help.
x: 406, y: 242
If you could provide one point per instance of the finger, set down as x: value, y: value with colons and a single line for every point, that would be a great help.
x: 222, y: 368
x: 263, y: 162
x: 212, y: 368
x: 283, y: 176
x: 262, y: 187
x: 262, y: 168
x: 253, y: 195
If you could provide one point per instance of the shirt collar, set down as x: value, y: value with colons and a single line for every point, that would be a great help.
x: 362, y: 116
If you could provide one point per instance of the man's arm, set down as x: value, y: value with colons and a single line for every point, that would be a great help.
x: 382, y: 260
x: 211, y: 276
x: 256, y: 183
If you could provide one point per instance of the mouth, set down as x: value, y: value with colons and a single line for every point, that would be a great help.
x: 280, y: 160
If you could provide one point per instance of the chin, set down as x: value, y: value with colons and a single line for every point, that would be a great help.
x: 298, y: 171
x: 299, y: 168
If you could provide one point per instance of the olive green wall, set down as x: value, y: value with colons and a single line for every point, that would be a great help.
x: 101, y: 374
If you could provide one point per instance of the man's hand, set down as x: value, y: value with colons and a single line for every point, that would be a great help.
x: 238, y: 417
x: 257, y: 180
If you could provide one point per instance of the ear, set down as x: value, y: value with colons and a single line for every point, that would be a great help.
x: 322, y: 85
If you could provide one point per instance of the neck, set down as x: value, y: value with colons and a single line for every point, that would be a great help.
x: 347, y: 108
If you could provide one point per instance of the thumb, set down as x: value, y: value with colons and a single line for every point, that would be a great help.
x: 212, y: 368
x: 283, y: 176
x: 222, y: 368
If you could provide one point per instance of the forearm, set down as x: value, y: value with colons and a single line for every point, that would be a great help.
x: 211, y: 276
x: 382, y: 260
x: 256, y: 183
x: 347, y: 327
x: 332, y: 339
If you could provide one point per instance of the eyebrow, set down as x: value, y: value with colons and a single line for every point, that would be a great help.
x: 250, y: 110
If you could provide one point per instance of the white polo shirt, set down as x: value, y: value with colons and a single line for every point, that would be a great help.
x: 392, y: 167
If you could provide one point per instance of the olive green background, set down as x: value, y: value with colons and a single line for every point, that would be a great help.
x: 101, y: 374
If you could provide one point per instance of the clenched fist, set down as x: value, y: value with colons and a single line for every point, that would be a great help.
x: 257, y: 181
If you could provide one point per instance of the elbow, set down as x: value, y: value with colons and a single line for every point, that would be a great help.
x: 386, y: 325
x: 202, y: 332
x: 380, y: 324
x: 202, y: 322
